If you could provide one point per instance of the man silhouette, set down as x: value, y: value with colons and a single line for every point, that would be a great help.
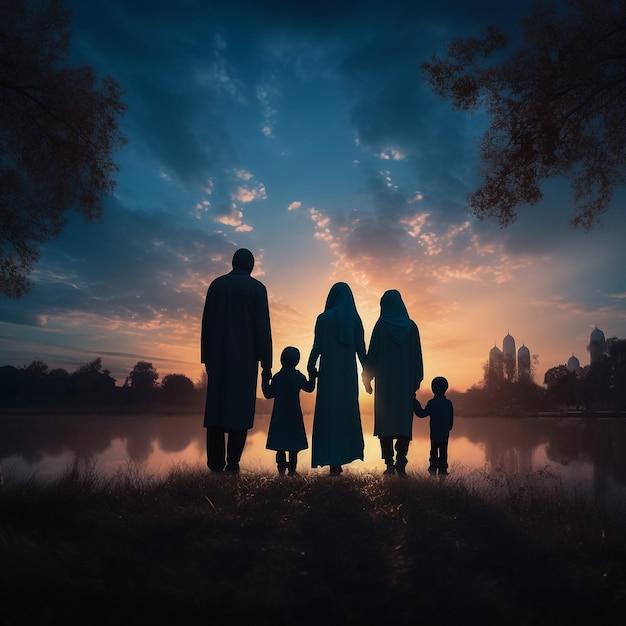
x: 236, y: 336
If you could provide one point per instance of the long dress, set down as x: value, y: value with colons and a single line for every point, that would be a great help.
x: 337, y: 436
x: 236, y: 336
x: 394, y: 360
x: 286, y: 430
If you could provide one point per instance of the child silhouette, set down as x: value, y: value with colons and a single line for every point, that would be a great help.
x: 441, y: 414
x: 286, y: 433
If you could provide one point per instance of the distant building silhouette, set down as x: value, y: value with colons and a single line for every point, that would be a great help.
x: 496, y: 362
x: 508, y: 350
x: 573, y: 364
x: 509, y: 364
x: 523, y: 363
x: 597, y: 346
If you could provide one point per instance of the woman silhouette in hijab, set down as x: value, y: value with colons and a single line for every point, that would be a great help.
x: 337, y: 436
x: 394, y: 361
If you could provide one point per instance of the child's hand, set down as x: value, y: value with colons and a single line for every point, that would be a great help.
x: 417, y: 408
x: 312, y: 372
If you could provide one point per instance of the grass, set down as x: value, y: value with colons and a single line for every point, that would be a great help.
x: 358, y: 548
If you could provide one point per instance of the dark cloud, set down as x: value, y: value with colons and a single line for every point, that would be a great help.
x: 12, y: 314
x: 171, y: 126
x: 135, y: 266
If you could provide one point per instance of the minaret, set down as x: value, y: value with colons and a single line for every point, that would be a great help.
x: 523, y: 363
x: 597, y: 345
x: 508, y: 351
x: 496, y: 362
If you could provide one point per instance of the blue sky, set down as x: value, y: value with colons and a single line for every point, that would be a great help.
x: 303, y: 132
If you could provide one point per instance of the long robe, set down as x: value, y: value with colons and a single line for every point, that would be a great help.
x: 286, y: 430
x: 337, y: 436
x: 394, y: 360
x: 236, y: 336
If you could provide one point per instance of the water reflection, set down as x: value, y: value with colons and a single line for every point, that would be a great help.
x: 583, y: 450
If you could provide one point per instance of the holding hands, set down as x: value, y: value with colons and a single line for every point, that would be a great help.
x: 367, y: 381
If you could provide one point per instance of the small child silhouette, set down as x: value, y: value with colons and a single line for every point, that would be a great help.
x: 441, y: 414
x: 286, y: 433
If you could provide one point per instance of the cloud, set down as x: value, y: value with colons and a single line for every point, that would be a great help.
x: 229, y: 215
x: 245, y: 194
x: 135, y: 268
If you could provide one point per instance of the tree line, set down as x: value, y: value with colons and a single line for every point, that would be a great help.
x: 600, y: 386
x: 92, y: 386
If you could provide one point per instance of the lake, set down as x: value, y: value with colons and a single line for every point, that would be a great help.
x: 584, y: 454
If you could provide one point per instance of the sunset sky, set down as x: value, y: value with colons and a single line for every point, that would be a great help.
x: 302, y: 131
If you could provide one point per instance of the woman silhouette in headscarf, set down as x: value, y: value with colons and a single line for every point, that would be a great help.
x: 394, y: 360
x: 337, y: 436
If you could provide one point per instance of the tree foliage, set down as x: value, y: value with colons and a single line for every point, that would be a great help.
x: 143, y: 377
x: 58, y: 130
x: 91, y: 386
x: 177, y: 389
x: 556, y: 106
x: 561, y: 384
x: 90, y: 378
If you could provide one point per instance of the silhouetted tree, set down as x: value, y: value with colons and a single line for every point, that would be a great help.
x: 616, y: 349
x: 92, y: 384
x: 57, y: 382
x: 9, y: 385
x: 33, y: 381
x: 561, y: 385
x: 177, y: 389
x: 58, y: 129
x: 556, y: 105
x: 530, y: 397
x: 143, y: 377
x: 36, y: 371
x: 202, y: 383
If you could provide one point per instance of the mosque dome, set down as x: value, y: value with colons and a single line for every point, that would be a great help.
x: 508, y: 345
x: 496, y: 361
x: 495, y: 352
x: 573, y: 364
x: 597, y: 335
x: 523, y: 362
x: 597, y: 345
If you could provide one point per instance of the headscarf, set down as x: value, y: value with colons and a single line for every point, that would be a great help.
x: 394, y: 316
x: 243, y: 260
x: 341, y: 301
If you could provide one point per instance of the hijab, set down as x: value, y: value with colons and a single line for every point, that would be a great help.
x: 341, y: 301
x: 394, y: 315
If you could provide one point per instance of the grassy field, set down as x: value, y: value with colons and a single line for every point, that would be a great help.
x: 256, y: 548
